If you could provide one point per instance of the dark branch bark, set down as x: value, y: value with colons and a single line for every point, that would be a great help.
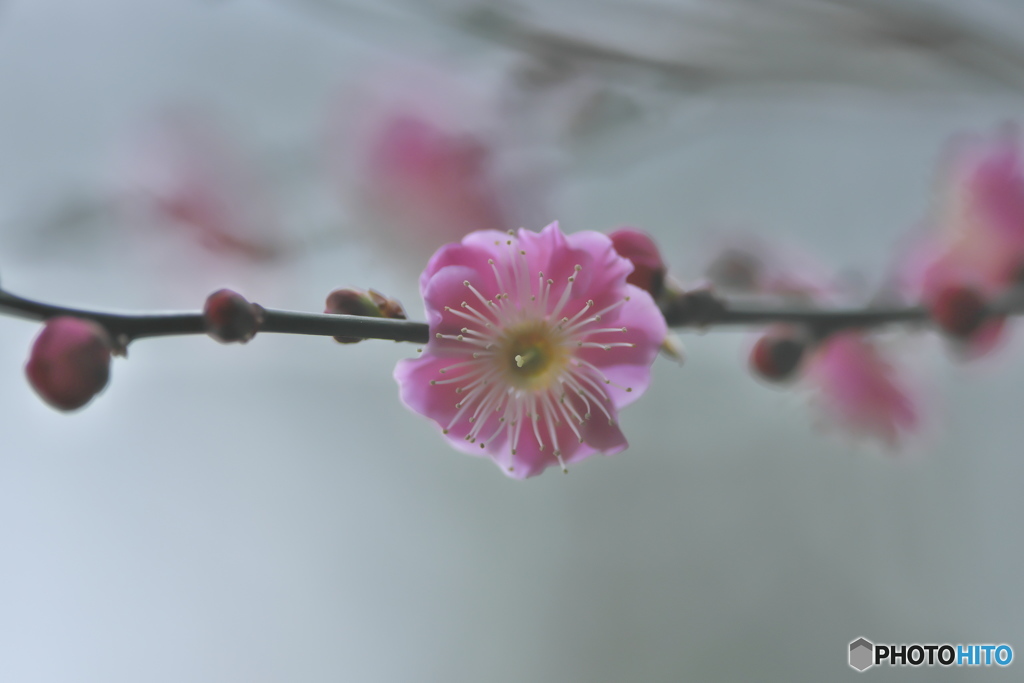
x: 127, y: 328
x: 703, y: 308
x: 696, y: 309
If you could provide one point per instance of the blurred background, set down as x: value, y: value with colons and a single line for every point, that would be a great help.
x: 272, y: 512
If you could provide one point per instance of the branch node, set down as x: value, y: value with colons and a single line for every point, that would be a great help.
x: 696, y: 308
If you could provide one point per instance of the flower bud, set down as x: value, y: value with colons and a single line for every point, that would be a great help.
x: 389, y: 308
x: 70, y: 362
x: 371, y: 304
x: 648, y: 268
x: 230, y: 317
x: 958, y: 311
x: 776, y: 356
x: 737, y: 270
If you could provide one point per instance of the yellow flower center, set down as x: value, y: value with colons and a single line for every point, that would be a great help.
x: 532, y: 355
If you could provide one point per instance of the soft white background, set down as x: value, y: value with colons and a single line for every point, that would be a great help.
x: 272, y: 513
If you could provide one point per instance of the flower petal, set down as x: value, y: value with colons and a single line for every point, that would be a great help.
x: 567, y: 322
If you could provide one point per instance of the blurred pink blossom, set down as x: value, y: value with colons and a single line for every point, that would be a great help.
x: 537, y: 342
x: 855, y: 383
x: 860, y: 389
x: 976, y: 236
x: 423, y: 159
x: 434, y: 182
x: 981, y: 214
x: 189, y: 178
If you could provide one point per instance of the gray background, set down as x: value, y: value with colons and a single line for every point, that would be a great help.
x: 271, y: 512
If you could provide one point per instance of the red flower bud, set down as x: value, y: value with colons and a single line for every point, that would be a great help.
x: 776, y: 357
x: 370, y: 304
x: 70, y: 362
x: 230, y: 317
x: 648, y: 268
x: 959, y: 311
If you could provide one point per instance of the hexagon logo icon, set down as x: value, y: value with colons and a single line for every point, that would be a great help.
x: 862, y: 654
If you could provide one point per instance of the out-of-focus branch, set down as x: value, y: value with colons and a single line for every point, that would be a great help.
x: 704, y: 309
x: 731, y: 41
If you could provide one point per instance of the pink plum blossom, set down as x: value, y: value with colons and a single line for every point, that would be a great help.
x: 977, y: 232
x: 854, y: 381
x: 859, y: 389
x: 981, y: 216
x: 422, y: 158
x: 436, y: 182
x: 537, y: 341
